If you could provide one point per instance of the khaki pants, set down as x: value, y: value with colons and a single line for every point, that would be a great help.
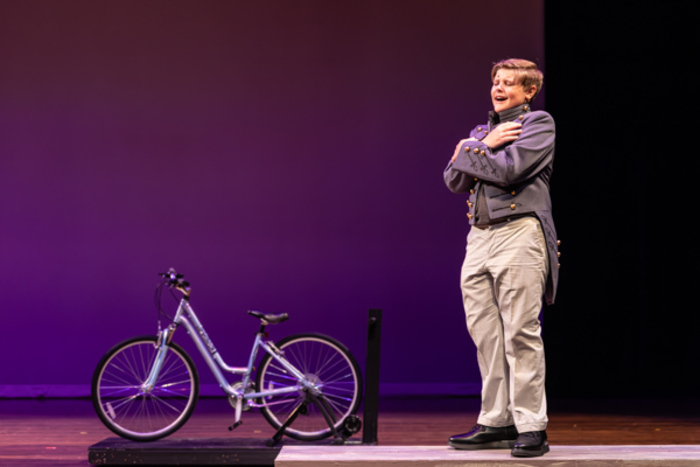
x: 503, y: 281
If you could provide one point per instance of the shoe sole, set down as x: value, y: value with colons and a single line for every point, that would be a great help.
x: 531, y: 453
x: 505, y: 444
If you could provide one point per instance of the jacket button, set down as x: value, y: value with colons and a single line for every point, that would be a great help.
x: 512, y: 206
x: 469, y: 215
x: 476, y: 150
x: 558, y: 254
x: 513, y: 193
x: 471, y: 191
x: 520, y: 117
x: 482, y: 152
x: 558, y: 242
x: 469, y: 203
x: 466, y: 148
x: 479, y: 129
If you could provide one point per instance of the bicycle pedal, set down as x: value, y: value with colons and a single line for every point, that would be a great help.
x: 235, y: 425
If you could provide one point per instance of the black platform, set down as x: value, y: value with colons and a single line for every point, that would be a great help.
x: 184, y: 451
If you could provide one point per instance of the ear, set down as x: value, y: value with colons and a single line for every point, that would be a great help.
x: 530, y: 93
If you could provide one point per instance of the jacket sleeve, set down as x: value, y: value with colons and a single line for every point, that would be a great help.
x: 510, y: 164
x: 460, y: 181
x: 457, y: 181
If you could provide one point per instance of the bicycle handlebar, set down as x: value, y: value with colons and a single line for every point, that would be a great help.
x: 175, y: 280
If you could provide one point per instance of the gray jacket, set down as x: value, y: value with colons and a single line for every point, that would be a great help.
x: 514, y: 177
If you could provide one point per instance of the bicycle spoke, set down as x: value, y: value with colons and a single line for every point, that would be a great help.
x: 331, y: 371
x: 120, y: 398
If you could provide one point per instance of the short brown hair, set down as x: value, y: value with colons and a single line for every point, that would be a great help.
x: 525, y: 71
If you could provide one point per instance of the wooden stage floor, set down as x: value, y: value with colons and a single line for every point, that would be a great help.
x: 58, y: 432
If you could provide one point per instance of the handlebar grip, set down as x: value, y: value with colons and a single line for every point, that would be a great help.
x: 172, y: 274
x: 175, y: 280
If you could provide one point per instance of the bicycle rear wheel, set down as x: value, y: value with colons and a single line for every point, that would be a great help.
x: 129, y: 411
x: 326, y: 362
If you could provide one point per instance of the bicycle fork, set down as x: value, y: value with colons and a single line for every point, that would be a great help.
x: 164, y: 338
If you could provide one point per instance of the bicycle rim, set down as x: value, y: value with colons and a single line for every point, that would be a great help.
x: 330, y: 366
x: 129, y: 411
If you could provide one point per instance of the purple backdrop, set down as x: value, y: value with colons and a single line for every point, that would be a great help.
x: 284, y: 155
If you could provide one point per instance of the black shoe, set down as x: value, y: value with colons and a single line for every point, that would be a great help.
x: 531, y: 444
x: 485, y: 437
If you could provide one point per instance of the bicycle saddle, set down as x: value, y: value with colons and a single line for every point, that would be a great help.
x: 269, y: 319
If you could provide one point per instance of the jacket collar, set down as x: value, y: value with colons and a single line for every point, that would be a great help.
x: 508, y: 114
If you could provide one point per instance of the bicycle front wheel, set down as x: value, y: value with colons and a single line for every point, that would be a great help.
x: 330, y: 366
x: 144, y: 415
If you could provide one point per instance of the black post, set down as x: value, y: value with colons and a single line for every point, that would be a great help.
x: 374, y: 330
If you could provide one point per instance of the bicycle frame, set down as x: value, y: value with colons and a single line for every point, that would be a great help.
x: 146, y: 388
x: 186, y: 317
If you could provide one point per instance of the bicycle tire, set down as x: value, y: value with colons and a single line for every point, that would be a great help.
x: 324, y: 360
x: 120, y: 402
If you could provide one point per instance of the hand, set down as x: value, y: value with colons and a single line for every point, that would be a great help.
x: 502, y: 134
x: 459, y: 145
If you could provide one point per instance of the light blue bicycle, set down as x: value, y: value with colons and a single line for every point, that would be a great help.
x: 308, y: 386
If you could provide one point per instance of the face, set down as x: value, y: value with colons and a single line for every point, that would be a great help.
x: 506, y: 92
